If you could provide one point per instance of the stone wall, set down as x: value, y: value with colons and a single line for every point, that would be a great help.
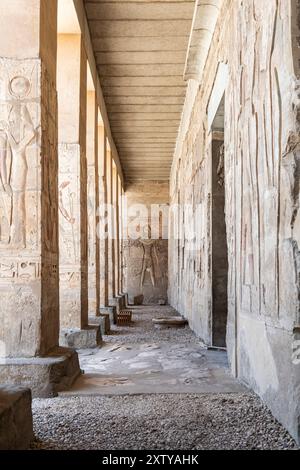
x: 254, y: 39
x: 136, y: 250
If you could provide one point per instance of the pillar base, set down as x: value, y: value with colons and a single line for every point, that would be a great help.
x: 45, y: 376
x: 103, y: 321
x: 16, y: 428
x: 86, y: 338
x: 119, y: 302
x: 111, y: 311
x: 126, y: 300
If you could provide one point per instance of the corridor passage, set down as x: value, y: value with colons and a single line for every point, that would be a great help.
x: 142, y: 359
x: 155, y: 389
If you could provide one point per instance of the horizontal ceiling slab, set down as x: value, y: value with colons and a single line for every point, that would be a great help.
x: 140, y: 50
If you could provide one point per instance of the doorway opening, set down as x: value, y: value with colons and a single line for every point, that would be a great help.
x: 219, y: 237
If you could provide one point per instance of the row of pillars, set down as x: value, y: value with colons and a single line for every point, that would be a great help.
x: 57, y: 277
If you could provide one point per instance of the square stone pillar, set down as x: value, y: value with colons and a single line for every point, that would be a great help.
x: 29, y: 293
x: 73, y: 218
x: 120, y: 213
x: 103, y: 227
x: 103, y: 242
x: 111, y: 240
x: 117, y: 231
x: 93, y: 202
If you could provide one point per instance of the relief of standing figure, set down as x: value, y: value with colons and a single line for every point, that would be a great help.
x: 16, y: 135
x: 149, y: 247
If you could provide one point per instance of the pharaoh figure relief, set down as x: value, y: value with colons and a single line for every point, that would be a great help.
x: 149, y: 255
x: 17, y: 132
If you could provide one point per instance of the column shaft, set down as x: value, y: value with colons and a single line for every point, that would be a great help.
x: 92, y: 201
x: 72, y: 181
x: 29, y: 281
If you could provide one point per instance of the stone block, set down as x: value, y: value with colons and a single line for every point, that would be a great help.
x: 138, y: 300
x: 45, y: 376
x: 89, y: 337
x: 103, y: 321
x: 172, y: 322
x: 16, y: 428
x: 111, y: 311
x: 118, y: 302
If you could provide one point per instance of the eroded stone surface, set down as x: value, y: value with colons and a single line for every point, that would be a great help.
x: 258, y: 51
x: 16, y: 427
x: 45, y: 376
x: 89, y: 337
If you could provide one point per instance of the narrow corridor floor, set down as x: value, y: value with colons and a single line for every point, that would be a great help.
x: 155, y: 389
x: 141, y: 359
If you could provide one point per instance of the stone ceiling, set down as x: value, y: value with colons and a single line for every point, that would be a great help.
x: 140, y: 48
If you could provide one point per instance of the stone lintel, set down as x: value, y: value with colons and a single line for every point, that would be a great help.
x: 45, y: 376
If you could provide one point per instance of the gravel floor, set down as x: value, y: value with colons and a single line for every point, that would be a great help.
x: 156, y: 422
x: 142, y: 330
x: 151, y: 422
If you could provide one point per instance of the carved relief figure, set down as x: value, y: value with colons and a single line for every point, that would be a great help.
x: 64, y: 211
x: 149, y: 247
x: 17, y: 133
x: 220, y: 169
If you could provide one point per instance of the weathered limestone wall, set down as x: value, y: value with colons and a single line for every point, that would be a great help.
x: 262, y: 201
x: 135, y: 251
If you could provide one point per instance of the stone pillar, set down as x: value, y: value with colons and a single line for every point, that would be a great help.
x: 29, y: 284
x: 121, y: 290
x: 103, y: 198
x: 123, y: 237
x: 92, y: 136
x: 73, y: 223
x: 104, y: 181
x: 111, y: 241
x: 117, y: 218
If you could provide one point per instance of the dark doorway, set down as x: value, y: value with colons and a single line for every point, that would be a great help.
x: 219, y: 238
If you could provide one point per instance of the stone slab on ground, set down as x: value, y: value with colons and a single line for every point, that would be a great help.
x: 45, y: 376
x: 171, y: 322
x: 88, y: 337
x: 16, y: 427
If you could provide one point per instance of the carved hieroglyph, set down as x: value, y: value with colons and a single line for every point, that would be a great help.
x: 28, y: 208
x: 259, y: 41
x: 19, y: 134
x: 69, y: 234
x: 91, y: 217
